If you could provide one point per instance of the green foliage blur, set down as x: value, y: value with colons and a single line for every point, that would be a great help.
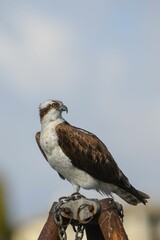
x: 5, y: 232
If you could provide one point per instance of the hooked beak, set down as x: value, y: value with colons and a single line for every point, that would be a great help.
x: 64, y: 108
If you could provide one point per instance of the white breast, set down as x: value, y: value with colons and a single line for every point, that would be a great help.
x: 60, y: 162
x: 48, y: 139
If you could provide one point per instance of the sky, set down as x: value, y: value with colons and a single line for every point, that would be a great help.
x: 101, y: 58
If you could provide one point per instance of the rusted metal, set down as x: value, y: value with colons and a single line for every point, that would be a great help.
x: 109, y: 221
x: 81, y: 210
x: 50, y: 229
x: 105, y: 226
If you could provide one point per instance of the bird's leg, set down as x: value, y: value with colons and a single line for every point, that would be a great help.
x: 76, y: 188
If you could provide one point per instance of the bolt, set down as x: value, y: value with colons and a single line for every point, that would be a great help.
x: 67, y: 210
x: 90, y: 208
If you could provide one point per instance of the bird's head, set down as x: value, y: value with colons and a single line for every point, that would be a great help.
x: 51, y: 110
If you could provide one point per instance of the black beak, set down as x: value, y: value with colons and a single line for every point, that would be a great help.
x: 64, y: 108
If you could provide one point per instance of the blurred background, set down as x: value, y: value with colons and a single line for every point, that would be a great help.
x: 101, y: 58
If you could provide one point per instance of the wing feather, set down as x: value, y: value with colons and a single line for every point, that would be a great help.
x: 87, y: 152
x: 37, y: 137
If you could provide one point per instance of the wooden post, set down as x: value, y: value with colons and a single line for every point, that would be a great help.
x: 50, y: 229
x: 110, y: 222
x: 106, y: 226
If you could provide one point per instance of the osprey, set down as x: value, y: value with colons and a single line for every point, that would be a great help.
x: 81, y: 157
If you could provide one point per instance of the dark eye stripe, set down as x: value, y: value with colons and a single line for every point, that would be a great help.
x: 44, y: 111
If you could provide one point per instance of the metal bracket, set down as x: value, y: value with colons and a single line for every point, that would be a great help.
x: 81, y: 210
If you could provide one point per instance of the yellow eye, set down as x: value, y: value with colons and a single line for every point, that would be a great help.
x: 55, y: 104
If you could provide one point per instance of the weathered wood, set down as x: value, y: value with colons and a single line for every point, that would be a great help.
x: 110, y: 222
x: 50, y: 230
x: 105, y: 226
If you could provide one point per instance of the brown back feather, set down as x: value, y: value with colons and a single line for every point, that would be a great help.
x: 88, y: 153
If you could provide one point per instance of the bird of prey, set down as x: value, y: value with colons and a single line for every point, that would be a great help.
x: 81, y: 157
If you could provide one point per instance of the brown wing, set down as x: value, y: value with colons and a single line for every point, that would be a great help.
x: 37, y: 137
x: 88, y: 153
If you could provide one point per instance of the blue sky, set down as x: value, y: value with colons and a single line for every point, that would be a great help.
x: 101, y: 58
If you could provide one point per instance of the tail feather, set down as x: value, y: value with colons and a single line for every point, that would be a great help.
x: 127, y: 193
x: 132, y: 197
x: 144, y: 196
